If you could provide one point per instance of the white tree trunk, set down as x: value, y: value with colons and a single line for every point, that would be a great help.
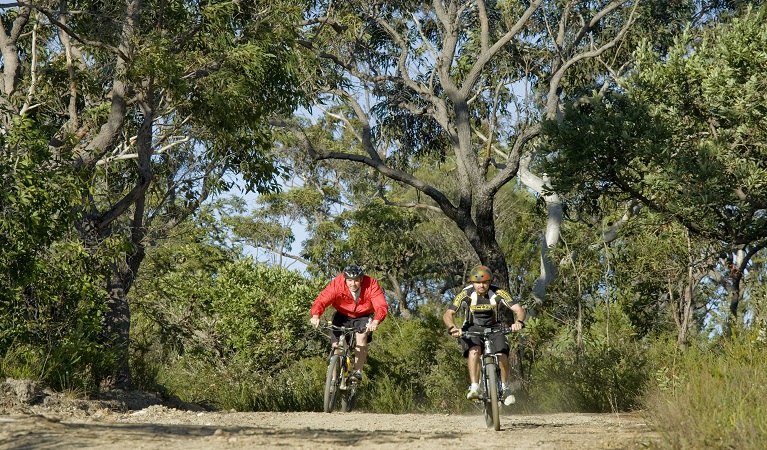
x: 542, y: 186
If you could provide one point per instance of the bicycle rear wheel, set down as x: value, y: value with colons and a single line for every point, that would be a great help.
x: 332, y: 382
x: 491, y: 404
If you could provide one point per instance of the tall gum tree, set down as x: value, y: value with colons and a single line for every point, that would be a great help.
x: 467, y: 81
x: 156, y: 103
x: 684, y: 135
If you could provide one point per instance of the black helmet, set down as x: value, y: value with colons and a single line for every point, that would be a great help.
x: 353, y: 272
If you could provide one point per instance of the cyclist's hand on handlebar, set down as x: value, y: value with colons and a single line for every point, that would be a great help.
x: 372, y: 326
x: 518, y: 325
x: 315, y: 321
x: 456, y: 332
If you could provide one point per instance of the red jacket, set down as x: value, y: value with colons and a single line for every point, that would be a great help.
x: 337, y: 295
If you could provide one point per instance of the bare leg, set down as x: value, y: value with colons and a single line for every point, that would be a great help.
x: 503, y: 359
x: 473, y: 362
x: 361, y: 351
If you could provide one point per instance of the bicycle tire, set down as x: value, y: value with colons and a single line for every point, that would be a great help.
x: 347, y: 399
x: 332, y: 382
x: 491, y: 406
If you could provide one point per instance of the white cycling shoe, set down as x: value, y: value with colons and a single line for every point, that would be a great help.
x: 473, y: 393
x: 507, y: 397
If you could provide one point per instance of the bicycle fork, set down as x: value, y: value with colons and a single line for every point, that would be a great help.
x: 489, y: 356
x: 346, y: 364
x: 483, y: 373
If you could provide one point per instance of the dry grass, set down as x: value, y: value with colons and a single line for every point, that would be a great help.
x: 713, y: 399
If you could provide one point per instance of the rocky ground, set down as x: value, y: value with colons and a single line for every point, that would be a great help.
x: 32, y: 418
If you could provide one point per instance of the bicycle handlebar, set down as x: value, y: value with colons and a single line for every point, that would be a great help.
x: 330, y: 326
x: 487, y: 332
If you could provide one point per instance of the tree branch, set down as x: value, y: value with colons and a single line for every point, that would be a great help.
x: 51, y: 15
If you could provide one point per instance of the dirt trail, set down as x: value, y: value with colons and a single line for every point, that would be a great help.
x: 33, y: 419
x: 170, y: 429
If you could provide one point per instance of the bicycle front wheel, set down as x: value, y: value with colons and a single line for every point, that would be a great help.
x: 332, y: 382
x: 347, y: 399
x: 491, y: 406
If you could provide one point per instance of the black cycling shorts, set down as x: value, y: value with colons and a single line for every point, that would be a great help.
x: 342, y: 320
x: 500, y: 343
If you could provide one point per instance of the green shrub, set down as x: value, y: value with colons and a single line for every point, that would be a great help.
x: 236, y: 335
x: 298, y: 387
x: 602, y: 379
x: 416, y: 358
x: 55, y: 336
x: 712, y: 397
x: 51, y: 291
x: 230, y: 386
x: 446, y: 383
x: 389, y: 396
x: 607, y: 374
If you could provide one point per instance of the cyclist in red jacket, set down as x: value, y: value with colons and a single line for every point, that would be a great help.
x: 359, y: 302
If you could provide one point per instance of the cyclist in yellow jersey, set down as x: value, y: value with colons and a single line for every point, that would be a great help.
x: 481, y: 300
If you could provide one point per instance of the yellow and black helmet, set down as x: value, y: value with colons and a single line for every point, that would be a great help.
x: 480, y: 274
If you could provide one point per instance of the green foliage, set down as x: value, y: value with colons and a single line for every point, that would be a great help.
x: 756, y: 295
x: 413, y: 137
x: 270, y: 225
x: 150, y: 118
x: 236, y: 69
x: 53, y: 326
x: 607, y: 375
x: 33, y: 214
x: 298, y: 387
x: 402, y: 361
x: 386, y: 240
x: 235, y: 321
x: 260, y: 312
x: 684, y: 134
x: 446, y: 383
x: 712, y: 397
x: 391, y: 396
x: 51, y: 296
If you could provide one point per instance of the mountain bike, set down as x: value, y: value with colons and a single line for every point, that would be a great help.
x: 339, y: 379
x: 490, y: 375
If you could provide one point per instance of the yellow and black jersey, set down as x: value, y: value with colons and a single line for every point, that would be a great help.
x: 482, y: 310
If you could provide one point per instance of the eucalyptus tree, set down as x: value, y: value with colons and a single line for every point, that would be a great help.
x: 155, y: 104
x: 661, y: 271
x: 273, y: 223
x: 684, y: 136
x: 418, y: 255
x: 451, y: 84
x: 656, y: 270
x: 335, y: 210
x: 385, y: 240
